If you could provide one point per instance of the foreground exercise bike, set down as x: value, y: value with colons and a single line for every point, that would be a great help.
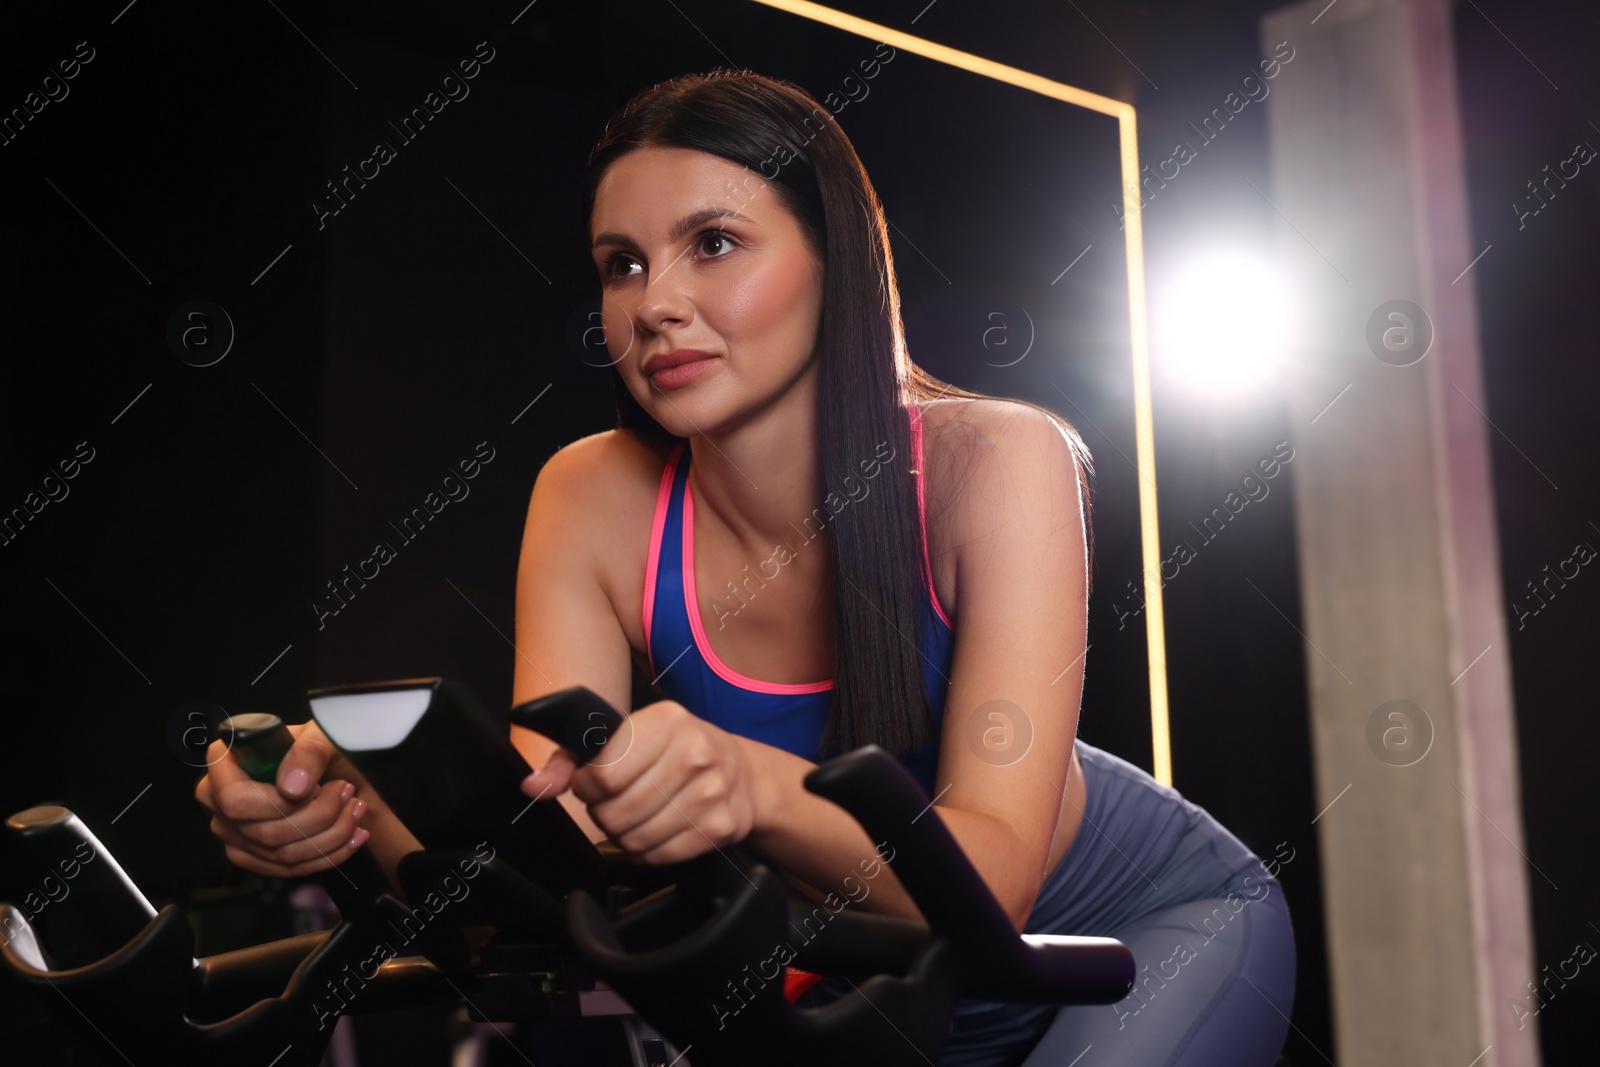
x: 714, y: 955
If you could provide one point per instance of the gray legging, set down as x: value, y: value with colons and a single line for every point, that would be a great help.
x: 1206, y: 922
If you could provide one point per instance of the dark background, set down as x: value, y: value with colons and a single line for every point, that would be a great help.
x: 433, y: 309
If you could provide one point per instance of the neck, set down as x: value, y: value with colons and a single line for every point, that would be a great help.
x: 762, y: 478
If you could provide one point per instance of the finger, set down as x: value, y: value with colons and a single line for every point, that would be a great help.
x: 247, y: 800
x: 303, y: 766
x: 702, y: 808
x: 204, y: 792
x: 680, y: 848
x: 299, y: 845
x: 331, y: 848
x: 634, y: 750
x: 680, y: 769
x: 658, y: 805
x: 358, y: 839
x: 616, y: 746
x: 250, y: 862
x: 553, y: 778
x: 220, y: 770
x: 294, y: 822
x: 226, y: 786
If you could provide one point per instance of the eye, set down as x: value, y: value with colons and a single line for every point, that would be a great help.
x: 608, y: 270
x: 716, y: 235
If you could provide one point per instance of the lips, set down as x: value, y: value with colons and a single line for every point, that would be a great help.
x: 676, y: 358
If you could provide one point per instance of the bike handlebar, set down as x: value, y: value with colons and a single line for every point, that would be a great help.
x: 672, y: 940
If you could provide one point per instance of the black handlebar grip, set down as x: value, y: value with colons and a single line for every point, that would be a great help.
x: 448, y: 769
x: 998, y: 964
x: 112, y: 907
x: 259, y: 742
x: 576, y: 718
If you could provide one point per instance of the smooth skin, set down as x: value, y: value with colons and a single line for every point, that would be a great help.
x: 1008, y: 555
x: 300, y: 825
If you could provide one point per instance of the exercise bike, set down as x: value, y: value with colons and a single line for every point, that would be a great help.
x: 713, y: 962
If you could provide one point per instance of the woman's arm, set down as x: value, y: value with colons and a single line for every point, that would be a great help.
x: 683, y: 786
x: 1017, y: 670
x: 567, y: 634
x: 567, y: 631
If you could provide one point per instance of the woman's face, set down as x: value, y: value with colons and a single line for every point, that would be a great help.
x: 696, y: 252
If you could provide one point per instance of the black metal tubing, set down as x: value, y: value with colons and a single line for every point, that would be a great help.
x: 690, y: 946
x: 998, y: 964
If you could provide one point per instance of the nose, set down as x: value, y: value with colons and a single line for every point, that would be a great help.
x: 665, y: 301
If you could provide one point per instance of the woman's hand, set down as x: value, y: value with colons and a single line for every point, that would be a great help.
x: 294, y: 827
x: 668, y: 786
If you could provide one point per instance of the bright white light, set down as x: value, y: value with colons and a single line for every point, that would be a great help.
x: 362, y: 722
x: 1222, y: 322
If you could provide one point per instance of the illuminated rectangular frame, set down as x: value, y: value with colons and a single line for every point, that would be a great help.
x: 1144, y: 433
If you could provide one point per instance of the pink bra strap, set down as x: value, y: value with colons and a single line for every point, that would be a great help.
x: 922, y: 508
x: 657, y: 525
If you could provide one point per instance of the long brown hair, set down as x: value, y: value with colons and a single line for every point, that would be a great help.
x: 865, y: 376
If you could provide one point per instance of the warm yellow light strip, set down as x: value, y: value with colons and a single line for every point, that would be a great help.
x: 1144, y: 431
x: 1144, y: 438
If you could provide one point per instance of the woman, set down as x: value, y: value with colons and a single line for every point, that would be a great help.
x: 788, y: 530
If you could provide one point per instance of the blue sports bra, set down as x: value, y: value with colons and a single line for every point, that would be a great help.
x: 790, y: 716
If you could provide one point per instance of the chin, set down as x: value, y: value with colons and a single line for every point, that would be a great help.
x: 686, y: 411
x: 711, y: 411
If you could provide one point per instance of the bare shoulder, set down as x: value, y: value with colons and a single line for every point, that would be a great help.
x: 965, y: 436
x: 603, y: 466
x: 604, y: 487
x: 983, y: 414
x: 982, y: 452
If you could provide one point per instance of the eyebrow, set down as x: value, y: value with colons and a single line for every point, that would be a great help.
x: 680, y: 228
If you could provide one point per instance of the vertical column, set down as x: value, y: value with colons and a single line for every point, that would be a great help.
x: 1412, y: 719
